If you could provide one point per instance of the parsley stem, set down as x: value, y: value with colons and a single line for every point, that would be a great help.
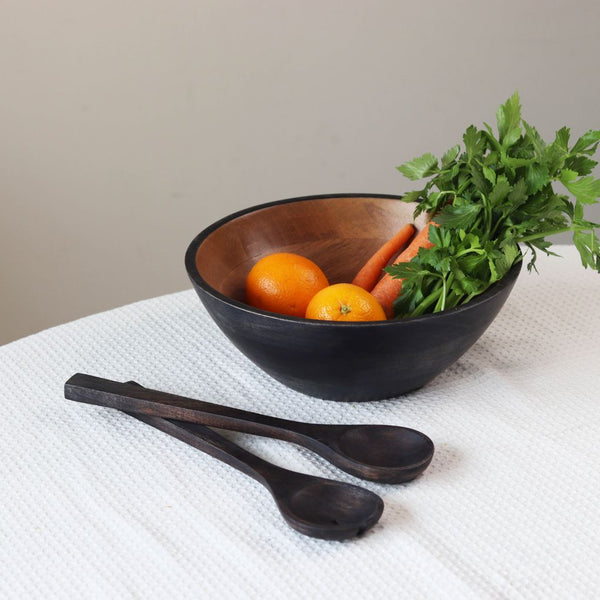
x: 453, y: 299
x: 498, y: 223
x: 466, y: 251
x: 463, y: 187
x: 441, y: 303
x: 426, y: 302
x: 487, y: 211
x: 543, y: 234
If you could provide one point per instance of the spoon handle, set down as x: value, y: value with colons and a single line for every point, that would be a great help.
x: 141, y: 400
x: 216, y: 445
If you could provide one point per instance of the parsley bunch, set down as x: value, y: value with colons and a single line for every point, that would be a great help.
x: 490, y: 197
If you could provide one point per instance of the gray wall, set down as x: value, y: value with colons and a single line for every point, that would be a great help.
x: 127, y: 127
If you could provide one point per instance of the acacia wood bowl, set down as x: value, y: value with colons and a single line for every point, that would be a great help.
x: 346, y: 361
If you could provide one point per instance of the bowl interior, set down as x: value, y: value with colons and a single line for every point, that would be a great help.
x: 338, y: 233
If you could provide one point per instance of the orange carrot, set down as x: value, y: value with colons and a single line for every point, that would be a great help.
x: 367, y: 277
x: 388, y: 288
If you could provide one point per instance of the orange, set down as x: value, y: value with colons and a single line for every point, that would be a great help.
x: 344, y: 302
x: 284, y: 283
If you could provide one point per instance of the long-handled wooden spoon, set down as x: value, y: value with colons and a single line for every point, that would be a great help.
x: 383, y: 453
x: 317, y: 507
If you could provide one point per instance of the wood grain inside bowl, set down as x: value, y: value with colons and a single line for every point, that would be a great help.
x: 339, y: 234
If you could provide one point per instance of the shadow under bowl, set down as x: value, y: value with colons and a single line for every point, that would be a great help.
x: 335, y: 361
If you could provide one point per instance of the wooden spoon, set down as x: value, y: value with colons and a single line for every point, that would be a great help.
x: 317, y: 507
x: 383, y: 453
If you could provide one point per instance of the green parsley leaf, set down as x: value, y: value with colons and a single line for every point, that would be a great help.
x: 561, y: 139
x: 587, y: 244
x: 585, y: 190
x: 499, y: 192
x: 489, y: 174
x: 587, y: 143
x: 508, y: 118
x: 536, y: 177
x: 475, y: 142
x: 413, y: 196
x: 518, y: 194
x: 479, y: 180
x: 537, y: 143
x: 567, y: 176
x: 458, y: 216
x: 450, y: 156
x: 580, y: 164
x: 419, y: 167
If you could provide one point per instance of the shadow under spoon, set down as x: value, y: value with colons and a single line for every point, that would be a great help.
x: 382, y: 453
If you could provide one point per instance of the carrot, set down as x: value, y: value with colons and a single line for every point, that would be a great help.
x: 388, y: 288
x: 367, y: 277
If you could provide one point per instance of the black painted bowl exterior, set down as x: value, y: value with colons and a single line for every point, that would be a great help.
x: 350, y: 361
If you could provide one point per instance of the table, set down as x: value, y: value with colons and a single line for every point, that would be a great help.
x: 95, y: 504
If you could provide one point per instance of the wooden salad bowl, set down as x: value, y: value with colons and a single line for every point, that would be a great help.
x: 342, y: 361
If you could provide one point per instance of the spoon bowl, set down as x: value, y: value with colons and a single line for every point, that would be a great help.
x: 387, y: 453
x: 331, y: 509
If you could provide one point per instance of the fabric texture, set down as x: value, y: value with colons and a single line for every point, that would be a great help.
x: 95, y: 504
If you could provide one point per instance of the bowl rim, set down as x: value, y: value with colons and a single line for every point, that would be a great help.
x: 194, y: 275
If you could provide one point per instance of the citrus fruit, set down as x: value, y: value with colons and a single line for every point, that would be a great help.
x: 344, y: 302
x: 284, y: 283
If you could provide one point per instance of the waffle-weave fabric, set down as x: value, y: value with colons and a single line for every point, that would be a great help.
x: 95, y: 504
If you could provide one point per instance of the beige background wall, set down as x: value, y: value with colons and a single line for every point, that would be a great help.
x: 127, y: 126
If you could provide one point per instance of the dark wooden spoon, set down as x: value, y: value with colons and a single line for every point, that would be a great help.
x: 317, y: 507
x: 383, y: 453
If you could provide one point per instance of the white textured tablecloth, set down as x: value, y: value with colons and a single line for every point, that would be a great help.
x: 95, y: 504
